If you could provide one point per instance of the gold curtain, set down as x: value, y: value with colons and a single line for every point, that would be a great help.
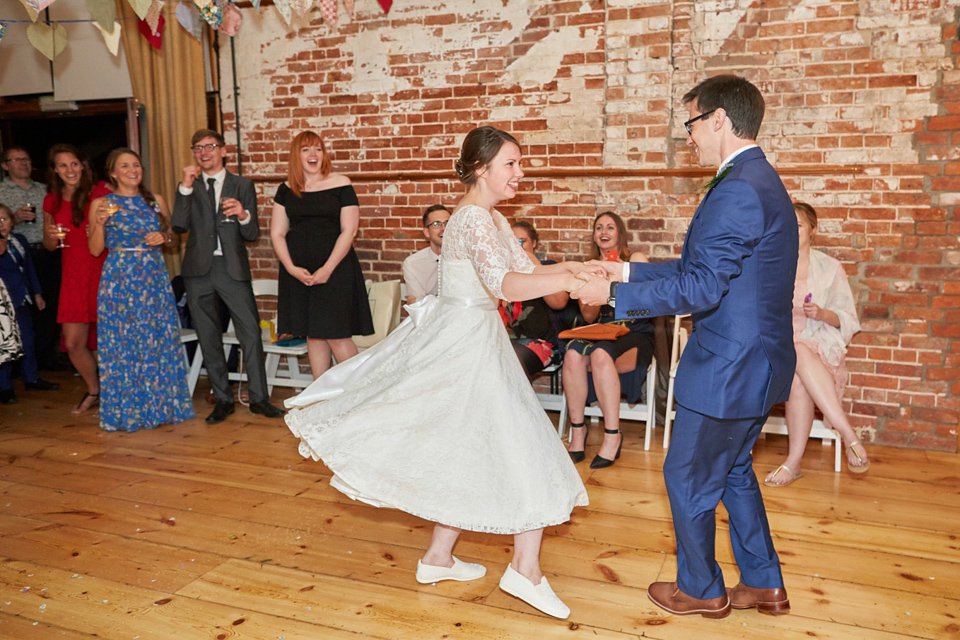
x: 170, y: 84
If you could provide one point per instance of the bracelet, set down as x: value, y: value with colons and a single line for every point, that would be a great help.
x: 169, y: 238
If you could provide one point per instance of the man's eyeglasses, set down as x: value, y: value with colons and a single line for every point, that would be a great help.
x: 17, y: 160
x: 436, y: 224
x: 688, y: 125
x: 204, y: 147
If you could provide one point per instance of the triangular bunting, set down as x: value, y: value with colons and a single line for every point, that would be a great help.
x: 189, y: 18
x: 111, y: 38
x: 3, y: 28
x: 153, y: 16
x: 140, y: 7
x: 348, y: 5
x: 213, y: 13
x: 231, y: 20
x: 283, y: 8
x: 153, y: 37
x: 104, y: 13
x: 31, y: 12
x: 48, y: 39
x: 300, y: 7
x: 255, y: 3
x: 328, y: 8
x: 386, y: 4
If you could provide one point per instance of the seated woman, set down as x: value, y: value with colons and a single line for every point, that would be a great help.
x: 605, y: 359
x: 20, y: 278
x: 531, y: 329
x: 824, y: 320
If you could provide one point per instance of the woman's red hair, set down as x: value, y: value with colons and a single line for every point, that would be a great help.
x: 295, y: 169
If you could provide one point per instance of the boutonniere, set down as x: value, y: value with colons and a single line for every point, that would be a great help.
x: 717, y: 178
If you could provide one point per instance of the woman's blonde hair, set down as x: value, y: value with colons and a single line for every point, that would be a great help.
x: 295, y: 169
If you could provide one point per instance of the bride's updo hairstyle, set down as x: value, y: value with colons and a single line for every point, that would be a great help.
x: 479, y: 148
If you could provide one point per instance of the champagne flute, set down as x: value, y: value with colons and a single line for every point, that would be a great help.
x: 61, y: 233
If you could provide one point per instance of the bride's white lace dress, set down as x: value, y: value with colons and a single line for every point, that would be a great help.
x: 438, y: 419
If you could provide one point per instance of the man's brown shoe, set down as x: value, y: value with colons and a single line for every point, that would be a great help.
x: 667, y: 596
x: 770, y: 601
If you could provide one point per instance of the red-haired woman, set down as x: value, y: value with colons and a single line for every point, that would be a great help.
x: 321, y: 294
x: 71, y: 188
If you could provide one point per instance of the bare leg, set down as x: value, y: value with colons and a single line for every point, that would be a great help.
x: 343, y: 349
x: 75, y: 338
x: 526, y: 555
x: 819, y: 384
x: 606, y: 382
x: 799, y: 410
x: 440, y: 551
x: 575, y: 390
x: 318, y: 352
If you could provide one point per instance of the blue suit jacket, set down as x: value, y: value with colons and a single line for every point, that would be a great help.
x: 735, y: 276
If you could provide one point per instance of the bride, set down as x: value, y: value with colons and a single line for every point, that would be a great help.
x: 438, y: 419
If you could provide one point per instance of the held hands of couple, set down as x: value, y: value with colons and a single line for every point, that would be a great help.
x: 595, y: 289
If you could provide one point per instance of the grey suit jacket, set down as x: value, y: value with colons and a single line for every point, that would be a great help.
x: 194, y: 213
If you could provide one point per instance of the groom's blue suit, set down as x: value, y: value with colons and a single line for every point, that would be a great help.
x: 735, y: 276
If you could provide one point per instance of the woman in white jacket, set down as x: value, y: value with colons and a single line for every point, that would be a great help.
x: 824, y: 321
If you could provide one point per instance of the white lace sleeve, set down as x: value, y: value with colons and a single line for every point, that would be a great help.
x: 518, y: 257
x: 472, y: 235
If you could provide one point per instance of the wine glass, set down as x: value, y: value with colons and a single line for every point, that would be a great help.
x: 61, y: 233
x: 112, y: 209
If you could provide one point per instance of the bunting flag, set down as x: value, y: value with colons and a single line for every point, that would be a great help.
x: 231, y: 20
x: 38, y: 5
x: 3, y: 28
x: 140, y: 7
x: 153, y: 37
x: 31, y: 12
x: 300, y: 7
x: 328, y: 8
x: 48, y: 39
x: 283, y: 8
x: 189, y: 18
x: 153, y: 17
x: 104, y: 13
x: 213, y: 13
x: 348, y: 5
x: 386, y: 4
x: 110, y: 38
x: 255, y: 3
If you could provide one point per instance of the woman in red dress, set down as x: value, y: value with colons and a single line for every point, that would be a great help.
x: 70, y: 189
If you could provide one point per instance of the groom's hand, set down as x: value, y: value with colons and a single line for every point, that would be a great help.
x: 594, y: 291
x: 613, y: 270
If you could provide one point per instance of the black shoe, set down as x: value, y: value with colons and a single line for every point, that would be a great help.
x: 603, y: 463
x: 7, y: 396
x: 220, y: 412
x: 578, y: 456
x: 41, y: 385
x: 264, y: 408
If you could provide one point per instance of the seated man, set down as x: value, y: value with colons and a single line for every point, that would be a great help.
x: 420, y: 269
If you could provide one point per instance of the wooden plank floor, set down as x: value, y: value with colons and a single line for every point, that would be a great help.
x: 225, y: 532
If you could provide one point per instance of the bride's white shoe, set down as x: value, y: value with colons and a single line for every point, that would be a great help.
x: 539, y: 596
x: 461, y: 571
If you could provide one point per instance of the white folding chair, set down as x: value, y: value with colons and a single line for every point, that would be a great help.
x: 193, y: 367
x: 291, y: 375
x: 385, y: 306
x: 676, y: 350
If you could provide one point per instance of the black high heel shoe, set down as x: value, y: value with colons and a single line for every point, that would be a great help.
x: 603, y: 463
x: 578, y: 456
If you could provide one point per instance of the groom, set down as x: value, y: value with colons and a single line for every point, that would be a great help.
x: 735, y: 276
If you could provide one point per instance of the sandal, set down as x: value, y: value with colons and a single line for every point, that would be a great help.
x: 579, y: 456
x: 94, y: 400
x: 793, y: 477
x: 864, y: 463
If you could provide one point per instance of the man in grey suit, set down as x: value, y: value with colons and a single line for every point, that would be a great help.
x: 220, y: 212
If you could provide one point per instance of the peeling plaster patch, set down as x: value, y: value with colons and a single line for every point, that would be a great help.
x: 541, y: 63
x: 715, y: 21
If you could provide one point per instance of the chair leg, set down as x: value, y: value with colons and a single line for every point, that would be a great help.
x: 194, y: 374
x: 651, y: 404
x: 669, y: 414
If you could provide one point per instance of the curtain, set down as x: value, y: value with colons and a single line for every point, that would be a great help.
x: 170, y: 84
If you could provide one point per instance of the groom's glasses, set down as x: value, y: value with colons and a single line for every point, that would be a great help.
x: 688, y: 125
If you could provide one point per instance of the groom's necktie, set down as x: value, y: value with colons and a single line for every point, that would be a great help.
x: 212, y: 192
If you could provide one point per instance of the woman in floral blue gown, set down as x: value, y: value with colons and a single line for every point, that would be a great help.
x: 143, y: 378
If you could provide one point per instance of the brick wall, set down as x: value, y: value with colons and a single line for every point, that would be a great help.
x: 595, y: 86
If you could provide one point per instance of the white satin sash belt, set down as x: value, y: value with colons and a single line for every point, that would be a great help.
x: 486, y: 304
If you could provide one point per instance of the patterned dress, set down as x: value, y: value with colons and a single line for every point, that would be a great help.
x: 143, y: 379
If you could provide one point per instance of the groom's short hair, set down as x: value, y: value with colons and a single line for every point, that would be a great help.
x: 741, y: 101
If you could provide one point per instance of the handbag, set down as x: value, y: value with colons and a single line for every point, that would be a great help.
x: 594, y: 332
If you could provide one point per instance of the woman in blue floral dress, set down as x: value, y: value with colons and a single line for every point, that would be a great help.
x: 143, y: 378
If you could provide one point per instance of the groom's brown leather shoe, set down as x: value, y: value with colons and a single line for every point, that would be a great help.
x: 667, y: 596
x: 773, y: 602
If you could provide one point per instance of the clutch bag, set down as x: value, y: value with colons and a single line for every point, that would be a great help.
x: 594, y: 332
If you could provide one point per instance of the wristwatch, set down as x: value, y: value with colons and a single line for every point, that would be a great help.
x: 612, y: 300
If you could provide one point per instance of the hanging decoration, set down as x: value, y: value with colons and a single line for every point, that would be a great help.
x: 328, y: 8
x: 231, y: 20
x: 153, y: 37
x: 103, y: 12
x: 37, y: 5
x: 189, y: 18
x: 283, y: 8
x: 300, y: 7
x: 31, y: 12
x: 386, y: 4
x: 3, y: 28
x: 213, y: 13
x: 255, y: 3
x: 110, y: 38
x: 348, y: 5
x: 48, y: 39
x: 140, y: 7
x: 153, y: 16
